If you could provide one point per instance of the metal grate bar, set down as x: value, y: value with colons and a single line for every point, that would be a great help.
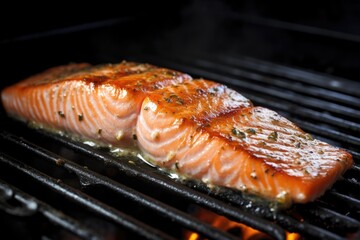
x: 170, y: 185
x: 85, y: 200
x: 30, y: 206
x: 308, y: 113
x: 281, y: 218
x: 351, y: 183
x: 284, y: 95
x: 279, y: 82
x: 351, y: 202
x: 348, y: 183
x: 324, y: 81
x: 296, y: 27
x: 67, y: 30
x: 356, y: 155
x: 329, y: 133
x: 306, y: 229
x: 94, y: 178
x: 329, y: 218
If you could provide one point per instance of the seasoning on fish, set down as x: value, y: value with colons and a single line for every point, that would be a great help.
x: 223, y: 140
x: 197, y: 128
x: 93, y: 102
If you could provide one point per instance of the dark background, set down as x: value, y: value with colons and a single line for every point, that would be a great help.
x: 322, y: 36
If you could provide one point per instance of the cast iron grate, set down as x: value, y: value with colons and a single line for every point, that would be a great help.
x: 130, y: 199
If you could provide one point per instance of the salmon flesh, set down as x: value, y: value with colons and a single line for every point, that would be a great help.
x: 197, y: 128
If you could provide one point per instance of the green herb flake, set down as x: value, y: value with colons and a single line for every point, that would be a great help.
x: 251, y: 131
x: 238, y: 133
x: 174, y: 98
x: 146, y: 108
x: 308, y: 136
x: 273, y: 136
x: 61, y: 114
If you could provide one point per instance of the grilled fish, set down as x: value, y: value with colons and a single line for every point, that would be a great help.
x: 197, y: 128
x: 93, y: 102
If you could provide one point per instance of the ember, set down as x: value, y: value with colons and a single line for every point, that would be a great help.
x: 239, y: 230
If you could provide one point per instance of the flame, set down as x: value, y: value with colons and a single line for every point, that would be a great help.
x: 238, y: 229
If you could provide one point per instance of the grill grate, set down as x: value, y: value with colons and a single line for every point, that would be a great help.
x: 29, y: 205
x: 322, y: 105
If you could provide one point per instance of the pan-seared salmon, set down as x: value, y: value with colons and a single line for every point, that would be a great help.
x: 93, y: 102
x: 204, y: 133
x: 197, y: 128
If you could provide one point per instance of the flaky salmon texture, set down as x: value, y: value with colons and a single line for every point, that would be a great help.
x: 197, y: 128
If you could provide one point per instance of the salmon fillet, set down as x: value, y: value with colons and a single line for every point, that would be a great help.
x: 197, y: 128
x: 93, y: 102
x: 215, y: 135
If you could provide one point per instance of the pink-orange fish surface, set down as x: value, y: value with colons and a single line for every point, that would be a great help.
x: 197, y: 128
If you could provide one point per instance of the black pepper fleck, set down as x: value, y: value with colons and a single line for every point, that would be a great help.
x: 273, y: 136
x: 199, y: 90
x: 61, y: 114
x: 238, y: 133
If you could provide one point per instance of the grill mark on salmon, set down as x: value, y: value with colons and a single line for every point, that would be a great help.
x: 197, y: 128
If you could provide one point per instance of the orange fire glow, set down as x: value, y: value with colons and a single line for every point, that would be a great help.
x: 224, y: 224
